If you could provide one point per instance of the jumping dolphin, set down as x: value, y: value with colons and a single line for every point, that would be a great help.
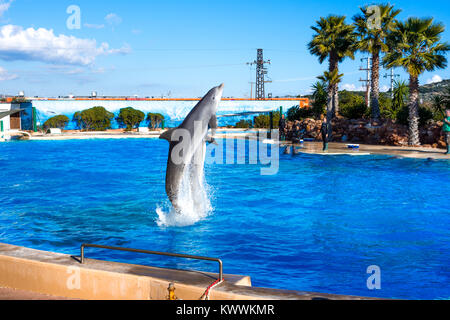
x: 190, y: 150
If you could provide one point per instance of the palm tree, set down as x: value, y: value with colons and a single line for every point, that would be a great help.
x: 334, y: 40
x: 372, y: 39
x: 400, y: 97
x: 441, y: 102
x: 438, y: 105
x: 332, y: 79
x: 415, y: 46
x: 319, y: 96
x: 401, y: 91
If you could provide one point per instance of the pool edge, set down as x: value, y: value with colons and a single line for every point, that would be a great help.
x: 60, y: 275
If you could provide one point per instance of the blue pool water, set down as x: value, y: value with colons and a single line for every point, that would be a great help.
x: 316, y: 225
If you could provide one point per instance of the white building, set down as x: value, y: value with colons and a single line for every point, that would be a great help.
x: 10, y: 120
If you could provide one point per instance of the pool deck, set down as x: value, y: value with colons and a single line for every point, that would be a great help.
x: 335, y: 148
x: 15, y: 294
x: 95, y: 135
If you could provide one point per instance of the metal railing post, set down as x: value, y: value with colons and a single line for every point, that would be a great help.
x: 178, y: 255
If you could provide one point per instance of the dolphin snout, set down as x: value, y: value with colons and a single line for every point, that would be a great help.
x: 219, y: 91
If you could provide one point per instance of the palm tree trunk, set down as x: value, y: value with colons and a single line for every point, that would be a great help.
x: 375, y: 90
x: 336, y: 100
x: 334, y: 65
x: 413, y: 120
x: 330, y: 103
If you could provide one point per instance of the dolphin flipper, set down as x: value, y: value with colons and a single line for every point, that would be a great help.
x: 213, y: 124
x: 167, y: 135
x: 210, y: 139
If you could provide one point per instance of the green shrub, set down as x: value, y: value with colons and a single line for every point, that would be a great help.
x: 351, y: 105
x: 297, y: 113
x: 95, y: 119
x: 318, y: 109
x: 357, y: 111
x: 387, y: 108
x: 263, y: 120
x: 56, y: 122
x: 439, y: 104
x: 243, y: 124
x: 129, y: 118
x: 425, y: 114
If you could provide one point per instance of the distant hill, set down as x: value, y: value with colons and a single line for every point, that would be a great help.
x: 427, y: 91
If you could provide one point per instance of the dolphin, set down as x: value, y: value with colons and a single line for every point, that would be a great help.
x: 187, y: 144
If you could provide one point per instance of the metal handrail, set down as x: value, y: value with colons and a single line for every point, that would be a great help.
x: 179, y: 255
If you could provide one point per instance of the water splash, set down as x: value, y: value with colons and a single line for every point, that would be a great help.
x: 194, y: 200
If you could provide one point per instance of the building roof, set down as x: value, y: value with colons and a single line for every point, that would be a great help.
x: 8, y: 113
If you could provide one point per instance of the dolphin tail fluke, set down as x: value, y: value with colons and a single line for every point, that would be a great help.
x: 167, y: 135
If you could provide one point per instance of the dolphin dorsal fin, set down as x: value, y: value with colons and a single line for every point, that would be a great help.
x: 167, y: 135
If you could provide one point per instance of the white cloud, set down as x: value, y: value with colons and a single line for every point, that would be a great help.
x: 4, y: 75
x: 43, y: 45
x: 94, y: 26
x: 351, y: 87
x: 435, y: 79
x: 4, y: 6
x: 113, y: 19
x: 385, y: 88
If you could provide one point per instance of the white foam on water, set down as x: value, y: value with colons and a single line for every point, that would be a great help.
x: 193, y: 199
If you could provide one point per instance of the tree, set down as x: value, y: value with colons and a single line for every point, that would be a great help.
x: 372, y: 36
x: 129, y: 118
x: 96, y: 119
x: 333, y: 39
x: 332, y: 79
x: 59, y: 121
x: 77, y: 119
x: 416, y: 47
x: 319, y: 96
x: 154, y: 120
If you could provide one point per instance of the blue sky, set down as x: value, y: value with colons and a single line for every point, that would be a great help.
x: 151, y: 48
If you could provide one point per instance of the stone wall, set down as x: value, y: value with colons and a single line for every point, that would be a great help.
x: 384, y: 132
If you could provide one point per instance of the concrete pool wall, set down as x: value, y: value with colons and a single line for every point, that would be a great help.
x: 62, y: 275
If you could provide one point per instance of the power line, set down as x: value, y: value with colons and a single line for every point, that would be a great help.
x: 393, y: 75
x: 367, y: 82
